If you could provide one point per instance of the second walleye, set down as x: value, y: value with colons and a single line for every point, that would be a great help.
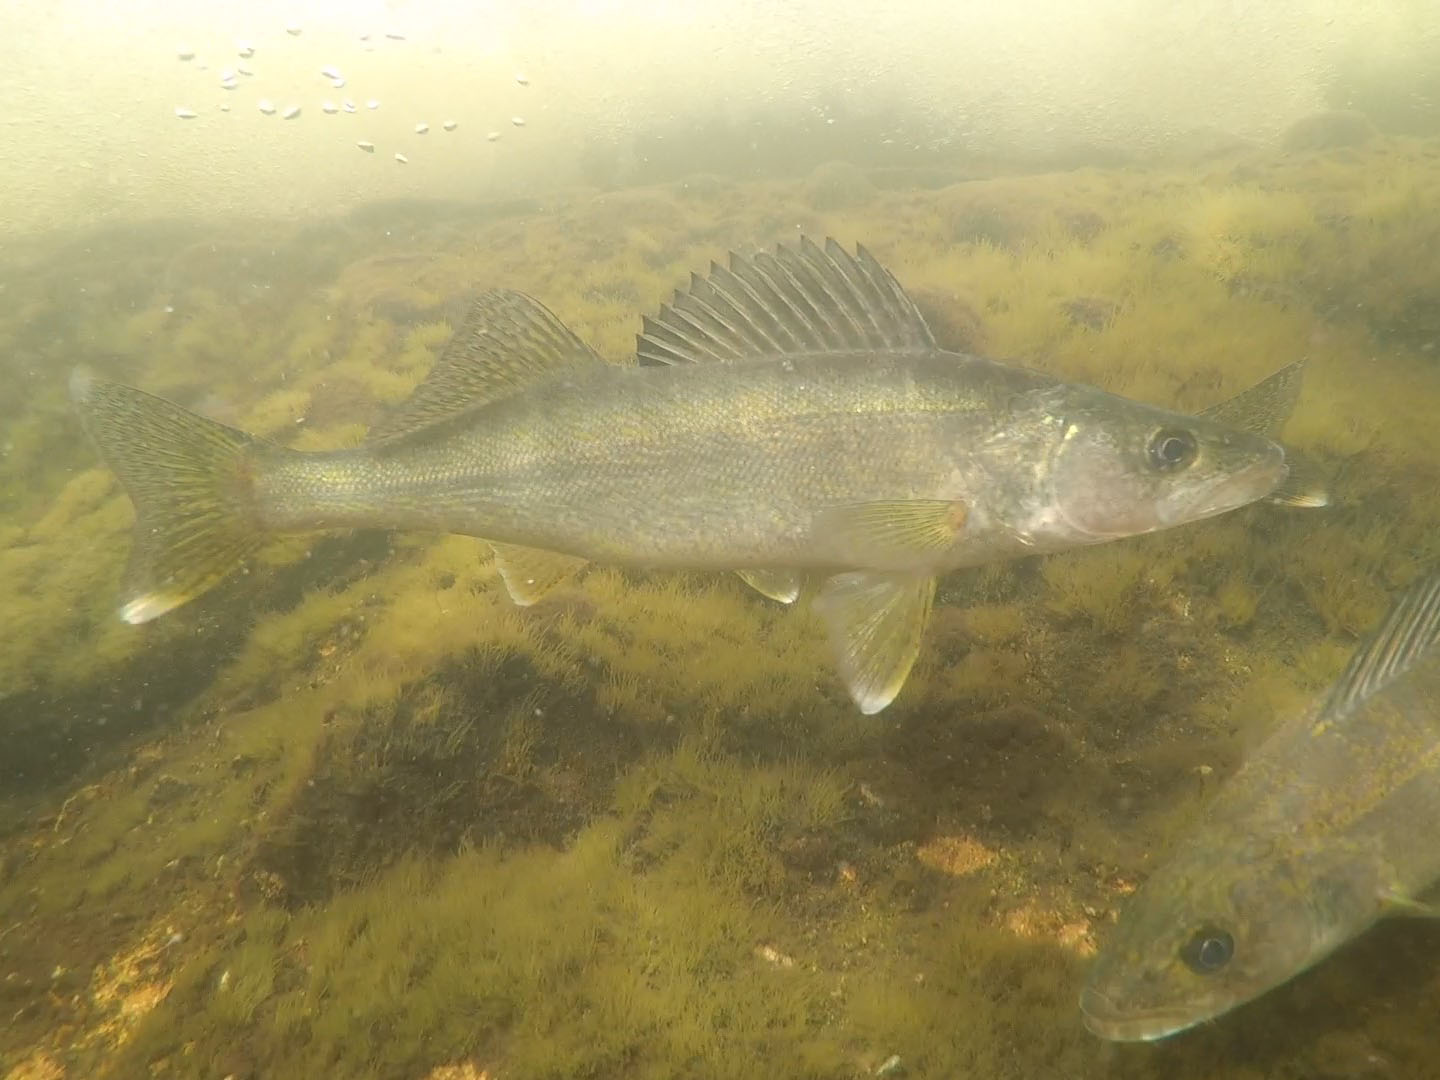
x: 788, y: 414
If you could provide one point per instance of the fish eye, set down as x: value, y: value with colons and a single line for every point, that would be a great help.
x: 1171, y: 449
x: 1208, y: 950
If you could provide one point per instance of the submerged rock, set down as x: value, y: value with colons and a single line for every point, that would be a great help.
x: 1329, y: 131
x: 956, y: 325
x: 1090, y: 312
x: 838, y: 185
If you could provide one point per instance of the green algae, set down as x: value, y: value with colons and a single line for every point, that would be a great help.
x: 635, y: 830
x: 633, y: 947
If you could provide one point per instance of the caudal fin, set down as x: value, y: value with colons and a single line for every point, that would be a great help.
x: 191, y: 482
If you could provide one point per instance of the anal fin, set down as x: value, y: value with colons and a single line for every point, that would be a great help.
x: 529, y: 573
x: 876, y: 622
x: 781, y: 585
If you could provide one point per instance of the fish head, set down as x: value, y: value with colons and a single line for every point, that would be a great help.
x: 1119, y: 468
x: 1216, y: 928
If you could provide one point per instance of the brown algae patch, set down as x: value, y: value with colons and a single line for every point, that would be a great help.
x: 38, y: 1066
x: 1029, y: 921
x: 956, y: 855
x: 458, y: 1072
x: 130, y: 985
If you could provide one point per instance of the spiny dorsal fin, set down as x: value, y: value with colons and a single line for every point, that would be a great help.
x: 1264, y: 408
x: 803, y: 299
x: 507, y: 341
x: 1410, y: 630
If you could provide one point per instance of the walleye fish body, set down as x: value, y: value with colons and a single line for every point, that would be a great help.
x: 1328, y: 827
x: 814, y: 463
x: 791, y: 413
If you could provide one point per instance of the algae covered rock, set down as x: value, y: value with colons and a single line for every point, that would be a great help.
x: 1206, y: 143
x: 1332, y: 130
x: 838, y: 185
x: 956, y: 325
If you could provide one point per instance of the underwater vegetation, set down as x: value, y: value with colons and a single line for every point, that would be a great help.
x: 357, y: 815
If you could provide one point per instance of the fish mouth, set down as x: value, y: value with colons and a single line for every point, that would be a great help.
x: 1240, y: 488
x: 1102, y: 1018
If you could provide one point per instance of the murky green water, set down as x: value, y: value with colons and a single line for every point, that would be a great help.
x: 353, y: 814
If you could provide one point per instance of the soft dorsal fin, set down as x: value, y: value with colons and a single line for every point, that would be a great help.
x: 1264, y: 408
x: 507, y: 341
x: 804, y: 299
x: 1410, y: 630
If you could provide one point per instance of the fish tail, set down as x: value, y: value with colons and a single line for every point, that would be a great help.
x: 192, y: 483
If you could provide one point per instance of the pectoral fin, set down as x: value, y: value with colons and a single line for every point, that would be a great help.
x: 782, y: 585
x: 884, y: 533
x: 530, y: 573
x: 876, y: 622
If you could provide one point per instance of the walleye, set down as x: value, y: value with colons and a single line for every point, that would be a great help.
x: 1328, y: 827
x: 788, y: 414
